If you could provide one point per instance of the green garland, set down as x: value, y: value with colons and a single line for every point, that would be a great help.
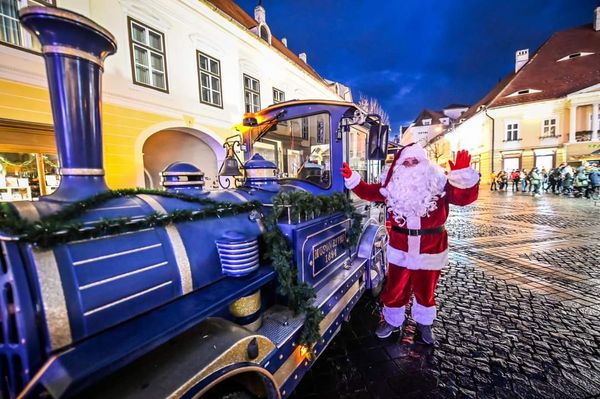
x: 63, y: 227
x: 302, y: 204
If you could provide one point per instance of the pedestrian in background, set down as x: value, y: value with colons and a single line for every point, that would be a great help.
x: 523, y: 179
x: 493, y: 186
x: 514, y: 178
x: 544, y: 175
x: 534, y: 182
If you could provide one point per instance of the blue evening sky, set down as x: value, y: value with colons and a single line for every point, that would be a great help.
x: 415, y: 54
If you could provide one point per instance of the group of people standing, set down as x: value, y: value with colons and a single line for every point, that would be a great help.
x: 583, y: 181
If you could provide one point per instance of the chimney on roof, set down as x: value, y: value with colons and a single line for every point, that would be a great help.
x: 597, y: 19
x: 303, y: 57
x: 260, y: 14
x: 284, y: 41
x: 521, y: 58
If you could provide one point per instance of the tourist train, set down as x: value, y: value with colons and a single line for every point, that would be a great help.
x: 177, y: 293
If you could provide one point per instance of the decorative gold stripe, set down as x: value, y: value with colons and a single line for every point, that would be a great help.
x: 246, y: 306
x: 27, y: 210
x: 231, y: 374
x: 182, y: 173
x: 183, y: 183
x: 53, y: 298
x: 81, y: 172
x: 300, y: 353
x: 73, y: 52
x: 179, y: 251
x: 237, y: 353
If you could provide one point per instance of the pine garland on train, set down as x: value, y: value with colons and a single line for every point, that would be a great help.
x: 62, y: 227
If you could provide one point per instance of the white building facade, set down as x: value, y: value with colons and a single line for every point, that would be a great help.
x: 185, y: 72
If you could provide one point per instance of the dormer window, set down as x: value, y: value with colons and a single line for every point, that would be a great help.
x: 426, y: 122
x: 264, y: 33
x: 523, y: 92
x: 575, y: 55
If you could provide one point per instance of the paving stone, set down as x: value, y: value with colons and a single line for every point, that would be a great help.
x: 518, y: 311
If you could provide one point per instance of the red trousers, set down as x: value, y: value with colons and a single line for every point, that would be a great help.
x: 401, y: 282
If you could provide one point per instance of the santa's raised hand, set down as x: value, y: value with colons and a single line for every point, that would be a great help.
x: 346, y: 171
x: 463, y: 160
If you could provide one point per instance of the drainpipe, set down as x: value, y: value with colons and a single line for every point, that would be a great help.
x: 493, y: 137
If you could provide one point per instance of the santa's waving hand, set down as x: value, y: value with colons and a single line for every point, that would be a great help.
x: 417, y: 193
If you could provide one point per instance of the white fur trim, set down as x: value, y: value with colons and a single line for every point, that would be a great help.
x: 417, y: 261
x: 463, y: 178
x: 412, y: 151
x: 352, y: 181
x: 394, y: 316
x: 423, y: 314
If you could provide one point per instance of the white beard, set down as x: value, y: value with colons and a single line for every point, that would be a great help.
x: 413, y: 191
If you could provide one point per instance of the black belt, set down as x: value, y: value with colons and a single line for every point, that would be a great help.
x: 418, y: 232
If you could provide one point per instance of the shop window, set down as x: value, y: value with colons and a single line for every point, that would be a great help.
x: 20, y: 175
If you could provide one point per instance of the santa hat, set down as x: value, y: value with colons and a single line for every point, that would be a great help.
x: 413, y: 150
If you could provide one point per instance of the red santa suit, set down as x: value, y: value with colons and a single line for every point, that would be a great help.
x: 418, y: 246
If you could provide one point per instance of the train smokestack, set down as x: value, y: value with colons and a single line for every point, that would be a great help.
x: 74, y: 49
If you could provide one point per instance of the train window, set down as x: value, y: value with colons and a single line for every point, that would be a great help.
x: 300, y: 148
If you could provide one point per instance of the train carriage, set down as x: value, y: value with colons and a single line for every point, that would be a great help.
x: 137, y: 293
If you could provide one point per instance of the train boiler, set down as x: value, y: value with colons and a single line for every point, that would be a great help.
x: 150, y: 295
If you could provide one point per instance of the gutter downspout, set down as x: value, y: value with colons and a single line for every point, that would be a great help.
x: 493, y: 137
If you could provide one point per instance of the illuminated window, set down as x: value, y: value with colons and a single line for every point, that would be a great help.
x: 148, y: 56
x: 512, y: 131
x: 11, y: 30
x: 251, y: 94
x: 210, y: 80
x: 549, y: 127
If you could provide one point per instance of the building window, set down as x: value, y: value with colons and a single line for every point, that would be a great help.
x: 512, y: 131
x: 251, y: 94
x: 278, y: 96
x: 549, y: 127
x: 426, y: 122
x: 209, y: 70
x: 304, y: 128
x: 11, y: 31
x: 148, y: 56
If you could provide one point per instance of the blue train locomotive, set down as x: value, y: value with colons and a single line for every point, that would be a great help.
x: 182, y: 293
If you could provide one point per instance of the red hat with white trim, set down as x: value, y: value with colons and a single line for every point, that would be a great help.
x: 412, y: 150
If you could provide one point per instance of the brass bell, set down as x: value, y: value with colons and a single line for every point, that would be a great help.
x: 230, y: 166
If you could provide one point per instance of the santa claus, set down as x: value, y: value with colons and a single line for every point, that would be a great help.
x: 417, y: 193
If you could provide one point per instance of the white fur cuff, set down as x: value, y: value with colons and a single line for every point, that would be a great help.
x: 423, y: 314
x: 394, y: 316
x: 352, y: 181
x: 463, y: 178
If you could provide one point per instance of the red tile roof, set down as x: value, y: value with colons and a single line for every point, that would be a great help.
x: 230, y: 8
x: 429, y: 114
x: 555, y: 78
x: 544, y: 72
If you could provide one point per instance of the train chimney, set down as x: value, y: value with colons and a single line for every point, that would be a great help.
x: 74, y: 49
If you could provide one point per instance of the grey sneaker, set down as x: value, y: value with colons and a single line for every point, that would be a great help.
x: 384, y: 329
x: 425, y: 334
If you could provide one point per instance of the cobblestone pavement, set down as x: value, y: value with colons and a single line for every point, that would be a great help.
x: 518, y: 313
